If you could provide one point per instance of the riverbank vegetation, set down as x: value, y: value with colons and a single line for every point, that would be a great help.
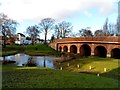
x: 35, y: 77
x: 37, y: 49
x: 6, y: 53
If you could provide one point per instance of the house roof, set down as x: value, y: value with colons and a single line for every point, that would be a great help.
x: 21, y: 34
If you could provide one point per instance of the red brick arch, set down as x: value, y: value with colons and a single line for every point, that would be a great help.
x: 65, y: 49
x: 60, y: 49
x: 85, y: 50
x: 73, y: 49
x: 100, y: 51
x: 115, y: 53
x: 89, y: 46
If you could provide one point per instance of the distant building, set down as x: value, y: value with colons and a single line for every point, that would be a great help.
x: 1, y: 40
x: 9, y: 41
x: 20, y: 38
x: 39, y: 41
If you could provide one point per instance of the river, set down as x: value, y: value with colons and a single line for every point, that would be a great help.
x: 22, y: 59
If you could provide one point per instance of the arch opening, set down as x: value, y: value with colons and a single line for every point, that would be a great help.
x: 85, y: 50
x: 115, y: 53
x: 100, y: 51
x: 60, y: 49
x: 65, y: 49
x: 73, y: 49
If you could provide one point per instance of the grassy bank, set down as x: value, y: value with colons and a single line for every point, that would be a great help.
x: 6, y: 53
x: 97, y: 65
x: 40, y: 49
x: 37, y: 49
x: 35, y: 77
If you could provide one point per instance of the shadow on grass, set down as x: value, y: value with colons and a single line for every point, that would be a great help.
x: 78, y: 60
x: 115, y: 74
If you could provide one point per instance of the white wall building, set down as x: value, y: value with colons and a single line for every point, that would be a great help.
x: 20, y: 38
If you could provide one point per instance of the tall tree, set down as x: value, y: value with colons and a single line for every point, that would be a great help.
x: 33, y: 32
x: 57, y: 31
x: 46, y: 25
x: 63, y: 29
x: 118, y: 27
x: 105, y: 28
x: 7, y: 27
x: 112, y: 29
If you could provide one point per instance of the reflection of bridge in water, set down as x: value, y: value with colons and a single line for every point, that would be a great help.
x: 86, y: 46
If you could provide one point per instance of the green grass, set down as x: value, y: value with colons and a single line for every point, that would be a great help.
x: 37, y: 49
x: 12, y: 47
x: 98, y: 64
x: 35, y: 77
x: 40, y: 49
x: 4, y: 53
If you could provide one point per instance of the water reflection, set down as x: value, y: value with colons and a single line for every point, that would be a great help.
x: 21, y: 59
x: 31, y: 61
x: 26, y: 60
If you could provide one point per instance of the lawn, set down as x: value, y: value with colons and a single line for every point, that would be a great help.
x: 37, y: 49
x: 97, y: 65
x: 8, y: 52
x: 40, y: 49
x: 35, y: 77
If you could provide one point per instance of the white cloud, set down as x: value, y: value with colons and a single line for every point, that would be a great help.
x: 58, y: 9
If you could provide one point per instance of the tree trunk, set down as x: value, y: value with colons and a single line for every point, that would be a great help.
x: 4, y: 41
x: 4, y: 37
x: 45, y: 38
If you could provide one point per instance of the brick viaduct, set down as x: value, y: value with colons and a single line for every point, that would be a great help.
x: 86, y: 46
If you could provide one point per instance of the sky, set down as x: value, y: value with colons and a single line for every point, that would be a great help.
x: 80, y: 13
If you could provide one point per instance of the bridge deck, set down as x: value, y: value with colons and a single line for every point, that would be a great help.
x: 111, y: 39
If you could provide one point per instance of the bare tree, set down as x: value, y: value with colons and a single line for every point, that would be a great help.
x: 63, y: 29
x: 7, y: 27
x: 74, y: 34
x: 112, y: 28
x: 33, y: 32
x: 46, y: 25
x: 106, y: 28
x: 99, y: 33
x: 118, y: 27
x: 57, y: 31
x: 85, y: 33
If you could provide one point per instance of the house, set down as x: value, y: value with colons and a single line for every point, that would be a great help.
x: 10, y: 40
x: 39, y: 41
x: 20, y: 38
